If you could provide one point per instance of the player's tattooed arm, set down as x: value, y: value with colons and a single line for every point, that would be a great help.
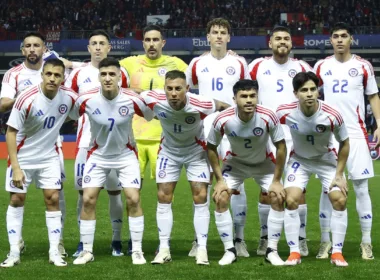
x: 6, y: 104
x: 220, y: 106
x: 18, y: 176
x: 339, y: 180
x: 374, y: 100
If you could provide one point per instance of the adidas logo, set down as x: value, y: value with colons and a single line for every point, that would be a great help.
x: 294, y: 126
x: 63, y: 176
x: 328, y: 73
x: 267, y: 72
x: 55, y: 231
x: 58, y: 183
x: 302, y: 225
x: 365, y: 172
x: 11, y: 231
x: 264, y: 227
x: 224, y: 235
x: 120, y: 184
x: 203, y: 175
x: 28, y: 83
x: 323, y: 216
x: 97, y: 112
x: 204, y: 235
x: 162, y: 114
x: 366, y: 217
x: 241, y: 214
x: 276, y: 235
x: 135, y: 181
x: 291, y: 243
x: 88, y: 80
x: 339, y: 245
x: 205, y: 70
x: 39, y: 113
x: 117, y: 221
x: 232, y: 134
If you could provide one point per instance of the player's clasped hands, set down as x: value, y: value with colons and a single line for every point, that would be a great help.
x: 341, y: 183
x: 278, y: 189
x: 18, y: 178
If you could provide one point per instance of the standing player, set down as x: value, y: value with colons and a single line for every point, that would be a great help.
x: 248, y: 127
x: 312, y: 123
x: 274, y: 75
x: 18, y: 79
x: 182, y: 144
x: 215, y: 74
x: 345, y: 79
x: 33, y: 128
x: 82, y: 80
x: 110, y: 111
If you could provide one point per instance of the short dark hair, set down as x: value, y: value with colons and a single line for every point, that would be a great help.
x: 34, y: 34
x: 341, y: 26
x: 279, y: 28
x: 245, y: 84
x: 175, y: 74
x: 152, y: 27
x: 55, y: 62
x: 109, y: 61
x: 99, y: 32
x: 218, y: 22
x: 302, y: 77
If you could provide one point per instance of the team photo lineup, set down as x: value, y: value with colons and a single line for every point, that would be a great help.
x: 276, y: 120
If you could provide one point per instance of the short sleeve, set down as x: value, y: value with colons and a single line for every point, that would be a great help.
x: 216, y: 132
x: 8, y: 87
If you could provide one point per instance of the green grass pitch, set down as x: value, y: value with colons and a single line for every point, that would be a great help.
x: 34, y: 262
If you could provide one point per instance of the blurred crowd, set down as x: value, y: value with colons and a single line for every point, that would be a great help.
x: 120, y: 17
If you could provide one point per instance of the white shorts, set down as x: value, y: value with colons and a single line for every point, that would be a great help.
x: 359, y: 162
x: 126, y: 167
x: 112, y: 182
x: 298, y: 172
x: 168, y: 168
x: 235, y: 173
x: 48, y: 177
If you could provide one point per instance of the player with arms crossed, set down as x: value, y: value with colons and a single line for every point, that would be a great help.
x: 248, y: 127
x: 312, y: 124
x: 345, y: 79
x: 274, y: 75
x: 215, y: 74
x: 33, y: 128
x: 111, y: 147
x: 82, y: 80
x: 181, y: 115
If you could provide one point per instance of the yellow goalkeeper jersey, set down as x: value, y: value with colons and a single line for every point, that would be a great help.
x: 149, y: 74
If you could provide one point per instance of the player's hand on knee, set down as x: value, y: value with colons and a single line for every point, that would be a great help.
x: 376, y: 138
x: 341, y: 183
x: 278, y: 189
x: 18, y: 178
x: 219, y: 188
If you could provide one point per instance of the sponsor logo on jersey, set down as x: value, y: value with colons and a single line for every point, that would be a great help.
x: 294, y: 126
x: 232, y: 134
x: 96, y: 112
x: 353, y: 72
x: 162, y: 71
x: 123, y: 111
x: 230, y: 70
x: 190, y: 120
x: 162, y: 115
x: 328, y: 73
x: 291, y: 178
x: 161, y: 174
x: 63, y: 109
x: 88, y: 80
x: 320, y: 128
x: 87, y: 179
x: 292, y: 73
x: 205, y: 70
x: 39, y: 113
x: 258, y: 131
x: 27, y: 83
x: 267, y: 72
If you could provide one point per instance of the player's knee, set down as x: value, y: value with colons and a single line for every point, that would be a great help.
x: 89, y: 200
x: 200, y: 196
x: 338, y: 202
x: 17, y: 199
x: 223, y: 201
x: 264, y: 198
x: 133, y: 200
x: 51, y: 198
x: 276, y: 202
x: 164, y: 196
x: 292, y: 202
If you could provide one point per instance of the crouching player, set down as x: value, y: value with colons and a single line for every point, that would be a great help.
x: 248, y: 127
x: 110, y: 110
x: 312, y: 124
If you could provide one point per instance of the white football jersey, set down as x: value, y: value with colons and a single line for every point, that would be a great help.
x: 82, y: 80
x: 344, y: 86
x: 249, y: 140
x: 312, y: 136
x: 275, y: 80
x: 111, y: 120
x: 38, y: 121
x: 183, y: 129
x: 216, y: 77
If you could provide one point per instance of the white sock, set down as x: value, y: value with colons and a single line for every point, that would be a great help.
x: 201, y: 223
x: 364, y: 208
x: 136, y: 228
x: 338, y: 229
x: 164, y: 217
x: 54, y: 225
x: 62, y: 207
x: 325, y: 209
x: 275, y: 225
x: 302, y: 212
x: 263, y: 218
x: 223, y: 223
x: 14, y: 227
x: 116, y: 216
x: 87, y: 232
x: 239, y: 212
x: 292, y: 229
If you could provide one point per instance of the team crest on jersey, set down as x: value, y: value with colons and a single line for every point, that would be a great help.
x: 353, y: 72
x: 292, y: 73
x: 291, y: 178
x: 79, y: 182
x: 162, y: 71
x: 320, y: 128
x: 230, y: 70
x: 258, y: 131
x: 63, y: 109
x: 123, y: 111
x: 190, y: 120
x: 87, y: 179
x: 161, y: 174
